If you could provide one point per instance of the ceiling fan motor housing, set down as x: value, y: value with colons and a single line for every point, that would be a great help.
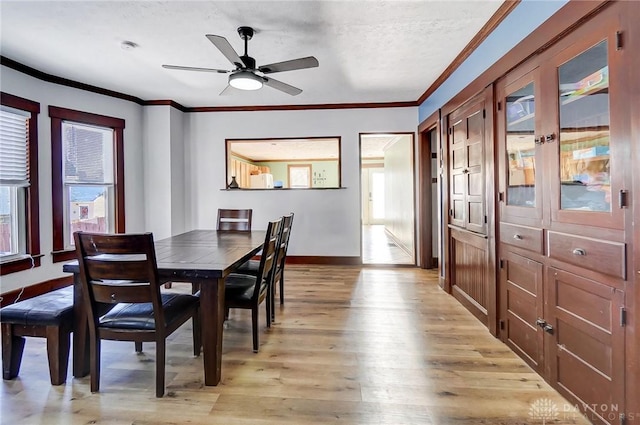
x: 249, y: 62
x: 245, y: 33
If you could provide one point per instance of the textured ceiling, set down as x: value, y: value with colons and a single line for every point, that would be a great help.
x: 369, y: 51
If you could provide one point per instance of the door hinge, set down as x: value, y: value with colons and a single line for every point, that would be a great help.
x: 623, y: 316
x: 500, y: 196
x: 451, y: 212
x: 501, y: 325
x: 485, y: 219
x: 501, y: 263
x: 618, y: 40
x: 499, y: 106
x: 450, y: 130
x: 484, y: 113
x: 623, y: 198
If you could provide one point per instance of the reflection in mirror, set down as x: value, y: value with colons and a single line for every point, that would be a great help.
x: 521, y: 173
x: 288, y: 163
x: 584, y: 131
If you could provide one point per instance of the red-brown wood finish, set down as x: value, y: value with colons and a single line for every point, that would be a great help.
x: 521, y: 286
x: 588, y: 259
x: 585, y: 357
x: 632, y: 299
x: 425, y: 192
x: 33, y: 197
x: 58, y: 115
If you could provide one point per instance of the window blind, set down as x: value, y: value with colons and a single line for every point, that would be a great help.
x: 14, y: 147
x: 88, y: 154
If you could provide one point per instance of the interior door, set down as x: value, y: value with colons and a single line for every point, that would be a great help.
x: 376, y: 195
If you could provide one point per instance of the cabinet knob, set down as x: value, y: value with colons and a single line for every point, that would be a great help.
x: 548, y: 328
x: 579, y: 251
x: 540, y: 322
x: 517, y: 237
x: 550, y: 137
x: 465, y: 171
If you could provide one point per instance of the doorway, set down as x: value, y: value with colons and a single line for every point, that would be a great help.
x: 387, y: 198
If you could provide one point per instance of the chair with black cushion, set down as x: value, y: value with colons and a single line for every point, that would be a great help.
x: 234, y: 220
x: 120, y: 272
x: 248, y: 292
x: 251, y: 267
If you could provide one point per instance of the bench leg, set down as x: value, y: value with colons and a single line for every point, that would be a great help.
x: 58, y: 342
x: 12, y: 349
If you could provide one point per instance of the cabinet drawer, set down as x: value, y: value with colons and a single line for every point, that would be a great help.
x: 522, y: 236
x: 593, y: 254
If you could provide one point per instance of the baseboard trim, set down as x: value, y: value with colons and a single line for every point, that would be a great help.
x: 34, y: 290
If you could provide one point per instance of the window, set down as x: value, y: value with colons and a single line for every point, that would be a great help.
x: 19, y: 219
x: 88, y: 176
x: 300, y: 176
x: 291, y: 163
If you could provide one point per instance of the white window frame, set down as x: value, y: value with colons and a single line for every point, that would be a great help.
x: 67, y: 185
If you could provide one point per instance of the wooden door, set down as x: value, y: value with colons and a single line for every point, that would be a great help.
x: 521, y: 305
x: 467, y: 158
x: 585, y: 341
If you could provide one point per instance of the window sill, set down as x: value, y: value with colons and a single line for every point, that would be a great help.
x: 64, y: 255
x: 18, y: 264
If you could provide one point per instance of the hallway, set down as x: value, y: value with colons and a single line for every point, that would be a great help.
x: 379, y: 248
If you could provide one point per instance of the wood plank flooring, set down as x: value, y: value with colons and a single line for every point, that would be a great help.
x: 351, y: 345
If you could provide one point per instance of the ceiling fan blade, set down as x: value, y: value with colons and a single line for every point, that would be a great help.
x: 191, y: 68
x: 301, y: 63
x: 225, y: 48
x: 279, y: 85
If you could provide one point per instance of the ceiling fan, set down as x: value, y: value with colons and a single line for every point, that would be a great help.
x: 245, y: 76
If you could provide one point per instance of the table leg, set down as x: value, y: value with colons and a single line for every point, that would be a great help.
x: 212, y: 310
x: 80, y: 331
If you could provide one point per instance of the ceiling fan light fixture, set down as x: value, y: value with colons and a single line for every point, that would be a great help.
x: 245, y: 80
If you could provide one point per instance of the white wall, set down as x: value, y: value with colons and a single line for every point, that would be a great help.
x: 46, y: 94
x: 327, y: 222
x: 399, y: 191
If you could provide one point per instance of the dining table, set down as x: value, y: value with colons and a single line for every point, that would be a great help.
x: 200, y: 257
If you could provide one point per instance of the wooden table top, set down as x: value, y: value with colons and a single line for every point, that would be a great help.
x: 202, y: 254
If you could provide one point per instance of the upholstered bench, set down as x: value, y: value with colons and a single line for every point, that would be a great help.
x: 48, y: 315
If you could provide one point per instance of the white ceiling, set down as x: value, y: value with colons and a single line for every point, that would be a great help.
x: 369, y: 51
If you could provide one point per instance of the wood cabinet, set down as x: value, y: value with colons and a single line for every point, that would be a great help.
x: 564, y: 217
x: 470, y: 241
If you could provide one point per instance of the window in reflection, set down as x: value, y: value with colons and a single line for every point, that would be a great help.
x: 521, y: 163
x: 284, y: 163
x: 584, y: 131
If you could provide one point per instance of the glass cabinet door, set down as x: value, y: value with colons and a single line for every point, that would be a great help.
x: 519, y: 152
x: 583, y: 87
x: 589, y: 153
x: 520, y: 110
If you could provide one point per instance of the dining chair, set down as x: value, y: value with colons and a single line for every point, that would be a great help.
x: 248, y: 292
x: 119, y: 272
x: 238, y: 220
x: 251, y: 267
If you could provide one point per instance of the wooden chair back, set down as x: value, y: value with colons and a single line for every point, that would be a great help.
x: 267, y: 260
x: 235, y: 220
x: 118, y: 269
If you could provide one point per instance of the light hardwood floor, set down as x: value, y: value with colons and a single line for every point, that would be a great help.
x: 351, y: 345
